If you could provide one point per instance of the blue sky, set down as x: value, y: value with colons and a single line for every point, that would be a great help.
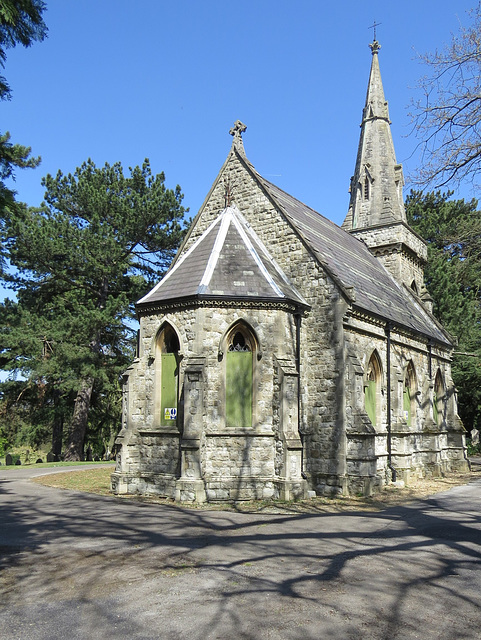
x: 118, y: 80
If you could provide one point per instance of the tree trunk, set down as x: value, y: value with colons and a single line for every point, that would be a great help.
x: 78, y: 425
x: 57, y: 436
x: 57, y: 427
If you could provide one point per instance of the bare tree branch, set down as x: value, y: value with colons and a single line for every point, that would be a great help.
x: 447, y: 120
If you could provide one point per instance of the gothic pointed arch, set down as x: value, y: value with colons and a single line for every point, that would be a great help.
x: 409, y: 392
x: 439, y: 398
x: 372, y: 388
x: 167, y: 361
x: 241, y: 349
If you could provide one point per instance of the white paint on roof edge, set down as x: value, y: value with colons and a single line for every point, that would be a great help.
x: 229, y: 215
x: 225, y: 218
x: 180, y: 261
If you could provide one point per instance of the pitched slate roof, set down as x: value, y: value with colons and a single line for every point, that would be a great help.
x: 228, y: 260
x: 353, y: 267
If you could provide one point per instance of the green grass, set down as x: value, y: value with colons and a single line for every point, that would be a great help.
x: 90, y: 480
x: 46, y: 465
x: 97, y: 481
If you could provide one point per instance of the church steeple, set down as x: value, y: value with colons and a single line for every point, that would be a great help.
x: 376, y: 210
x: 376, y: 187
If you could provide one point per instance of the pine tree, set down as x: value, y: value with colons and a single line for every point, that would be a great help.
x: 21, y: 22
x: 452, y: 229
x: 82, y: 259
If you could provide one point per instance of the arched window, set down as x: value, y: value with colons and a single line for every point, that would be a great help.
x: 414, y: 287
x: 408, y: 393
x: 438, y: 398
x: 372, y: 387
x: 241, y: 346
x: 167, y: 376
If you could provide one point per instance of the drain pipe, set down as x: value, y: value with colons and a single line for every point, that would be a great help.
x: 297, y: 318
x: 388, y: 376
x: 430, y: 359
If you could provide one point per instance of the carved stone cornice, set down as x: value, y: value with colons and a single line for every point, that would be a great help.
x: 218, y: 303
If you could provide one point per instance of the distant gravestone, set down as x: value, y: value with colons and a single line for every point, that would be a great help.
x: 51, y: 457
x: 8, y: 459
x: 39, y: 461
x: 474, y: 437
x: 89, y: 454
x: 18, y: 461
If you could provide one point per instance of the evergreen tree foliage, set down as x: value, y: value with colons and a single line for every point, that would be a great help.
x: 21, y: 22
x: 95, y: 246
x: 452, y: 229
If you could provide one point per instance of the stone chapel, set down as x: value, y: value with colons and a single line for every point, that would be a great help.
x: 282, y: 356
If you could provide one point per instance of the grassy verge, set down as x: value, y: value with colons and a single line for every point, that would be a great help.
x: 90, y: 480
x: 48, y: 465
x: 98, y: 481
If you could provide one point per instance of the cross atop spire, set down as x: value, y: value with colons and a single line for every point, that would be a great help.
x: 236, y: 131
x: 373, y: 26
x: 375, y: 46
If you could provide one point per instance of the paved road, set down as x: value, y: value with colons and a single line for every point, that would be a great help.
x: 78, y: 566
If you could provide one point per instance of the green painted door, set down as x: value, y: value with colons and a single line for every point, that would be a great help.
x: 407, y: 405
x: 370, y: 400
x: 239, y: 389
x: 168, y: 393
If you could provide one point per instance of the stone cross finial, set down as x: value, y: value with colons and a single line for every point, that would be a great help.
x: 237, y: 130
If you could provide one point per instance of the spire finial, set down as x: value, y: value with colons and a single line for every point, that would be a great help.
x: 237, y: 130
x: 375, y: 46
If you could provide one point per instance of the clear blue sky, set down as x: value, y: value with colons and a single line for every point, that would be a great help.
x: 119, y: 80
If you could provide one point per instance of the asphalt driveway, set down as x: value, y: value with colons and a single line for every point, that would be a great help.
x: 80, y: 566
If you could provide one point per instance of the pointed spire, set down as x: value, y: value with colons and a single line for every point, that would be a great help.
x: 376, y: 187
x: 376, y: 212
x: 376, y: 105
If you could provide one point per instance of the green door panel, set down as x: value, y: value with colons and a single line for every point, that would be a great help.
x: 370, y: 401
x: 239, y: 389
x: 168, y: 391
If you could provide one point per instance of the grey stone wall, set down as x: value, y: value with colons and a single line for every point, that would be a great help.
x: 425, y: 447
x: 319, y: 372
x: 310, y: 428
x: 203, y: 447
x: 402, y: 252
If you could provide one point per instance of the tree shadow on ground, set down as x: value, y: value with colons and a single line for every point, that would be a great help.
x: 138, y: 566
